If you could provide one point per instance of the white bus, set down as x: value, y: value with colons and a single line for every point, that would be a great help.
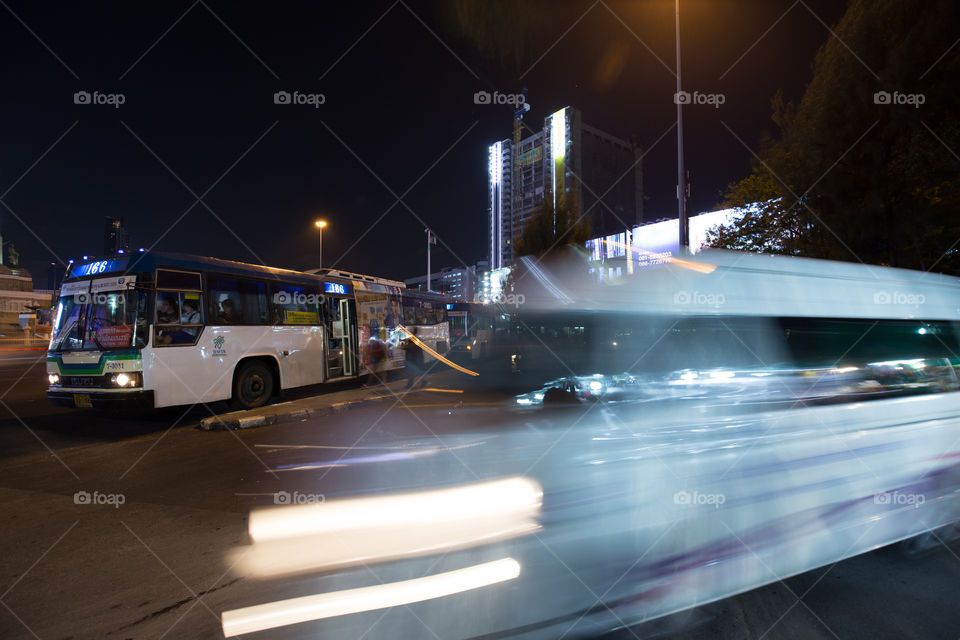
x: 159, y: 329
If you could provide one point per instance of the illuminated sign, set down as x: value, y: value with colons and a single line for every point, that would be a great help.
x: 558, y: 135
x: 74, y: 288
x: 494, y: 171
x: 101, y: 266
x: 337, y: 288
x: 113, y: 284
x: 558, y: 150
x: 530, y: 156
x: 496, y: 162
x: 658, y: 242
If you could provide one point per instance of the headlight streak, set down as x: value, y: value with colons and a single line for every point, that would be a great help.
x: 351, y: 531
x: 338, y: 603
x: 384, y: 454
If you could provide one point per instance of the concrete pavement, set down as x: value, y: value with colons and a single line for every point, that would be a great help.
x: 331, y: 402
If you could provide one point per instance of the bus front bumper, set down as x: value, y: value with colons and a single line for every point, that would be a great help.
x: 86, y: 399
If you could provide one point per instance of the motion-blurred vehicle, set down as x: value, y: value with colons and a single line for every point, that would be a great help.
x: 722, y: 422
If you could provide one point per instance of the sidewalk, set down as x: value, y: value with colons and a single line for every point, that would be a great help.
x: 322, y: 404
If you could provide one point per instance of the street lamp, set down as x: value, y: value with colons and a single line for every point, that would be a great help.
x: 684, y: 223
x: 320, y: 224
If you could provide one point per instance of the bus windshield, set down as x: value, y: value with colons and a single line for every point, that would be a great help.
x: 100, y: 321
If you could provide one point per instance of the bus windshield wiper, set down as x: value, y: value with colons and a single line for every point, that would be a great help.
x: 63, y: 336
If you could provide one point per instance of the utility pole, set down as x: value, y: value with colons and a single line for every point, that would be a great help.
x: 681, y: 174
x: 431, y: 239
x: 320, y: 224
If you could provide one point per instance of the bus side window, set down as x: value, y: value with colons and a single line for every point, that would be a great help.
x: 238, y: 301
x: 294, y: 305
x: 168, y: 307
x: 179, y: 317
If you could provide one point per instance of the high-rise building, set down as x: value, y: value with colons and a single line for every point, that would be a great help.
x: 115, y: 236
x: 604, y: 173
x: 458, y: 283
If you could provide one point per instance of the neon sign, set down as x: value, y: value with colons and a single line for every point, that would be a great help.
x: 101, y: 266
x: 337, y: 288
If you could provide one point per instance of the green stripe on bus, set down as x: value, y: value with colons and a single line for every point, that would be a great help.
x: 88, y: 371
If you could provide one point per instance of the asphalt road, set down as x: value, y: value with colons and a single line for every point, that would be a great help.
x: 146, y: 558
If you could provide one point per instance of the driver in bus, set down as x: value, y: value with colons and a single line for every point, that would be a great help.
x: 166, y: 312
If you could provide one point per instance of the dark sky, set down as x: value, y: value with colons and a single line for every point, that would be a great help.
x: 399, y: 120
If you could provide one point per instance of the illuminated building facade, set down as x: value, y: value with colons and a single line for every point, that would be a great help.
x: 565, y: 159
x: 458, y: 283
x: 653, y: 243
x: 116, y: 239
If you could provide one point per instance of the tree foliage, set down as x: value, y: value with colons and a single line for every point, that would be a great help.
x: 500, y: 30
x: 851, y: 175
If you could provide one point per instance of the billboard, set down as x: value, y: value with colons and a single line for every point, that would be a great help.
x: 657, y: 242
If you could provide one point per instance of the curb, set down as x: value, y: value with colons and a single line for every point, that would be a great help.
x: 241, y: 421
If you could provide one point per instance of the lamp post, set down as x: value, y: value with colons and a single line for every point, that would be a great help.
x: 681, y: 174
x: 320, y: 224
x: 431, y: 239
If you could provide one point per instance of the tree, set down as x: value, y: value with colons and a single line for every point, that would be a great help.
x: 865, y: 166
x: 551, y: 227
x: 500, y: 30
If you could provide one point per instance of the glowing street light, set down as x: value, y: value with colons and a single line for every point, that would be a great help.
x: 320, y: 224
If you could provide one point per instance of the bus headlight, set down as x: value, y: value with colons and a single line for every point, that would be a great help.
x: 53, y: 378
x: 126, y: 380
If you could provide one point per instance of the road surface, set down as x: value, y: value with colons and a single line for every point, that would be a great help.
x: 143, y: 554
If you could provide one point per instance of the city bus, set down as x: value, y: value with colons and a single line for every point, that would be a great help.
x: 156, y: 329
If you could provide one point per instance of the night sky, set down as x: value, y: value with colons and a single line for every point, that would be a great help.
x: 399, y: 119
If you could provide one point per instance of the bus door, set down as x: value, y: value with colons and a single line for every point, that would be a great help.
x: 341, y: 338
x: 348, y: 317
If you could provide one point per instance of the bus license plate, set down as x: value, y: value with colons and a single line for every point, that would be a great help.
x: 82, y: 400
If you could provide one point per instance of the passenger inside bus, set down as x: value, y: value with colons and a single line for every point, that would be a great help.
x: 167, y: 308
x: 229, y: 314
x: 191, y: 314
x: 167, y: 313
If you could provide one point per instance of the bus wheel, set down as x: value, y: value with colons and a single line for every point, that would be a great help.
x: 252, y: 386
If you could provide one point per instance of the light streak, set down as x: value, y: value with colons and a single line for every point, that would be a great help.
x: 338, y: 603
x: 356, y: 531
x: 436, y: 355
